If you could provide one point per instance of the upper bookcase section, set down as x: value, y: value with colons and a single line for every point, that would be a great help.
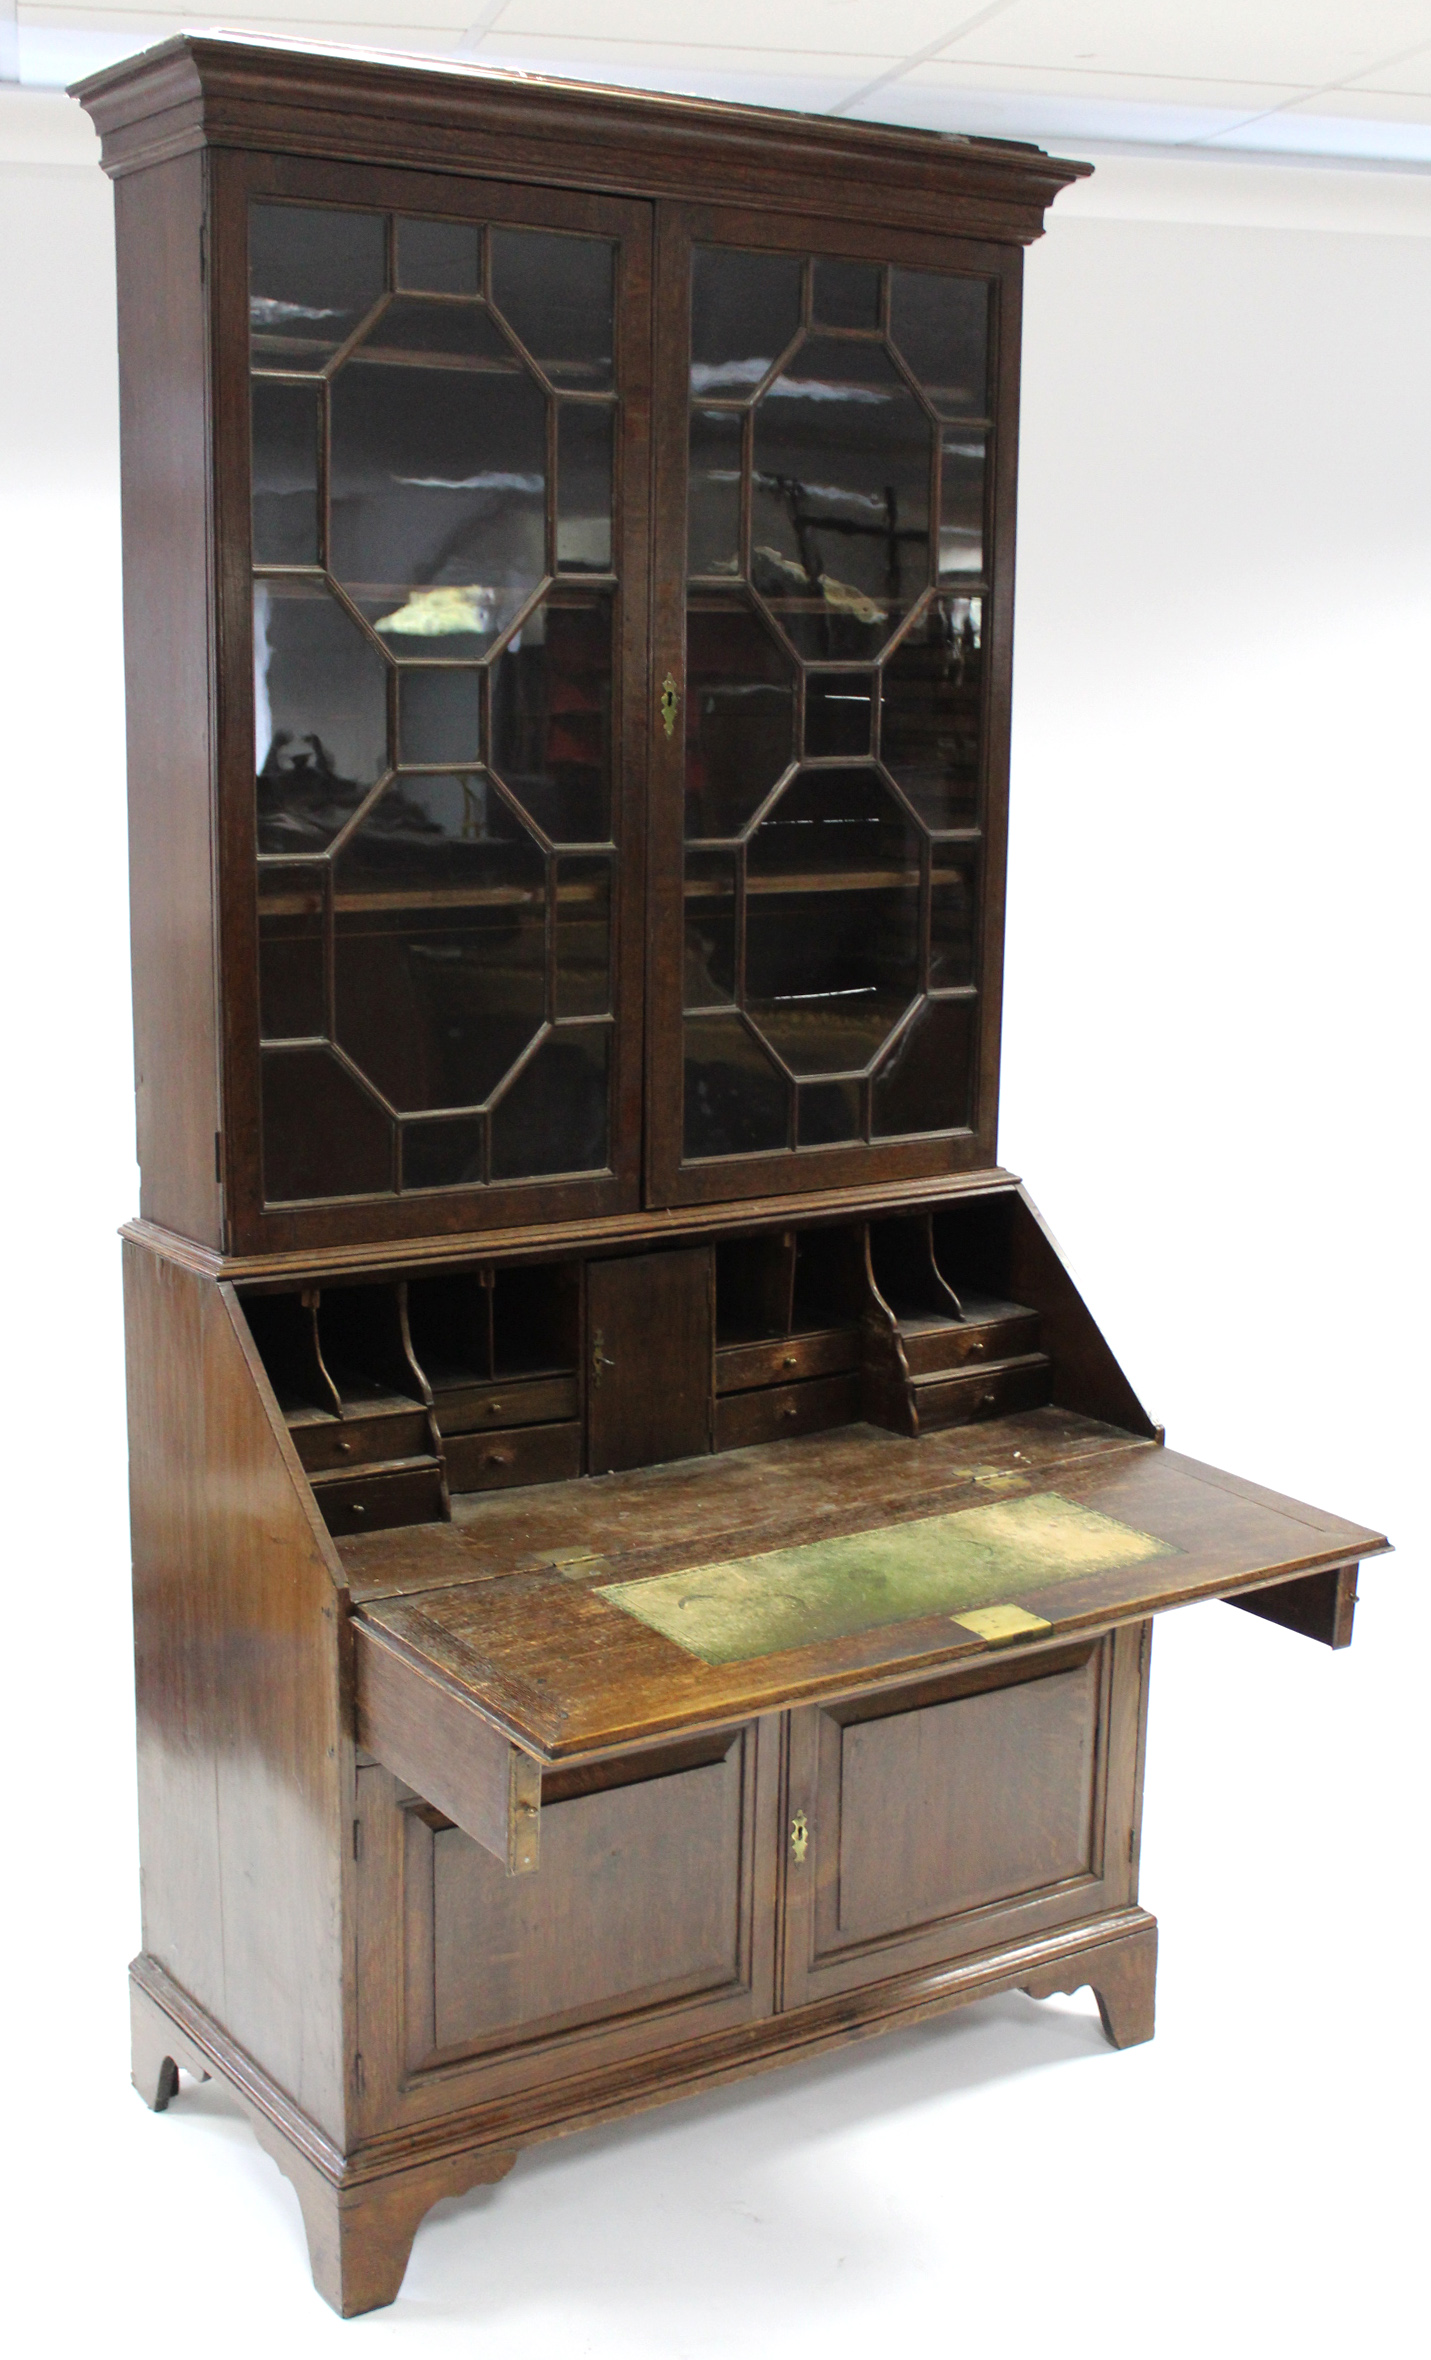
x: 506, y: 850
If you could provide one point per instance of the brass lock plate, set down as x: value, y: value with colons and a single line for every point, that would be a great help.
x: 799, y: 1836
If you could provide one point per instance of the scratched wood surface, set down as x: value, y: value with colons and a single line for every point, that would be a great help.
x: 531, y: 1637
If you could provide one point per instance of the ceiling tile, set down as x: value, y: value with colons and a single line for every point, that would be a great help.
x: 1298, y: 41
x: 1087, y: 82
x: 1412, y: 74
x: 811, y: 29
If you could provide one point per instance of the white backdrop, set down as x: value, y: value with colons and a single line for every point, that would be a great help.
x: 1215, y: 1080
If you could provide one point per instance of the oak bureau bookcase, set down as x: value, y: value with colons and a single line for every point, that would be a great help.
x: 644, y: 1564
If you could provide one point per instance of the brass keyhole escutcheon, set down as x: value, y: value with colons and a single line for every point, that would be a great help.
x: 670, y: 702
x: 799, y: 1836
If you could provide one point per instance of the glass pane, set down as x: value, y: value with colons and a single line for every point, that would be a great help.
x: 740, y: 714
x: 292, y: 965
x: 737, y: 1102
x: 551, y: 716
x: 953, y: 915
x: 285, y: 473
x: 710, y: 929
x: 312, y: 276
x: 827, y: 1113
x: 416, y: 328
x: 441, y: 257
x: 961, y: 506
x: 584, y: 487
x: 832, y: 920
x: 440, y: 942
x: 443, y: 1154
x: 839, y: 712
x: 439, y: 715
x: 745, y: 310
x: 557, y: 293
x: 438, y: 488
x: 847, y: 294
x: 583, y: 937
x: 926, y: 1083
x: 322, y: 1133
x: 713, y: 492
x: 320, y: 715
x: 554, y: 1116
x: 930, y: 725
x: 840, y: 502
x: 941, y: 326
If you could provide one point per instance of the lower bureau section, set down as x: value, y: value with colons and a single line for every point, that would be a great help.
x: 704, y: 1886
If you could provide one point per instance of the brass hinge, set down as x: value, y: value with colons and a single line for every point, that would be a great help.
x: 599, y: 1359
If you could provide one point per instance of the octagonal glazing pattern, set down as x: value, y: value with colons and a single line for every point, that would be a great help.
x: 841, y: 446
x: 434, y: 407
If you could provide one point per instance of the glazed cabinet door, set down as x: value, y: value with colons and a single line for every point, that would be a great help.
x: 836, y: 421
x: 929, y: 1823
x: 432, y: 434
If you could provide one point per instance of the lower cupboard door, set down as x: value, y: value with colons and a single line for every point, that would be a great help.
x: 647, y: 1922
x: 966, y: 1813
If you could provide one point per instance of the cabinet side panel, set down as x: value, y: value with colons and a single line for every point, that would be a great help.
x: 164, y: 445
x: 242, y: 1762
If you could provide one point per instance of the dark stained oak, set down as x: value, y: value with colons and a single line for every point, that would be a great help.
x: 444, y: 1851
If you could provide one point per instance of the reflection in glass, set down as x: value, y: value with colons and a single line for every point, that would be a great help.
x: 832, y: 920
x: 414, y: 327
x: 941, y: 325
x: 926, y: 1082
x: 839, y: 712
x: 439, y: 941
x: 438, y: 500
x: 553, y: 1118
x: 292, y: 977
x: 827, y: 1113
x: 320, y: 715
x: 710, y: 929
x: 953, y: 913
x: 961, y: 506
x: 930, y: 729
x: 745, y: 309
x: 322, y: 1133
x: 583, y: 533
x: 551, y: 716
x: 285, y: 473
x: 840, y: 500
x: 740, y: 714
x: 557, y: 293
x: 713, y: 492
x: 312, y: 276
x: 847, y: 294
x: 439, y: 714
x: 442, y: 1154
x: 737, y: 1102
x: 440, y: 257
x: 583, y: 937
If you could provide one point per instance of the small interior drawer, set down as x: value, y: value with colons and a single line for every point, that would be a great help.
x: 780, y: 1410
x: 975, y: 1342
x: 529, y: 1401
x: 521, y: 1454
x: 324, y: 1443
x: 828, y: 1352
x: 983, y: 1392
x: 410, y: 1493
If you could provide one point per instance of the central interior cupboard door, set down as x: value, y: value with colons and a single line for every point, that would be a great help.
x: 443, y: 428
x: 836, y: 420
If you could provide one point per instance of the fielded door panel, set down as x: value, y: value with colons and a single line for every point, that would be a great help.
x: 649, y: 1922
x: 836, y: 421
x: 928, y: 1823
x: 435, y: 446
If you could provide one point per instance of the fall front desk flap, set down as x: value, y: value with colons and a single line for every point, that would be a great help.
x: 601, y: 1612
